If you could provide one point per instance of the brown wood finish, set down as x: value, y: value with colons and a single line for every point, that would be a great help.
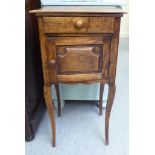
x: 78, y: 40
x: 101, y: 98
x: 78, y: 59
x: 78, y: 24
x: 43, y: 53
x: 101, y: 24
x: 111, y: 95
x: 79, y: 45
x: 65, y: 24
x: 50, y: 108
x: 79, y: 77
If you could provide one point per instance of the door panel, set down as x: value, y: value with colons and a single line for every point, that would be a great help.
x: 79, y: 59
x: 77, y: 55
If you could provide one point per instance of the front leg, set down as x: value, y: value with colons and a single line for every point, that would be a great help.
x: 50, y: 108
x: 111, y: 95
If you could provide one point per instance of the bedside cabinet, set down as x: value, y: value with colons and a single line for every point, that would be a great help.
x: 79, y: 44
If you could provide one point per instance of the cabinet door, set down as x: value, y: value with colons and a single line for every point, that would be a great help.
x: 77, y: 55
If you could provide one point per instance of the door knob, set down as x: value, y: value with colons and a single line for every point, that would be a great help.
x: 52, y: 62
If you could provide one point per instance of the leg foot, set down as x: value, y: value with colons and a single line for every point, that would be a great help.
x: 101, y: 98
x: 58, y: 99
x: 111, y: 95
x: 50, y: 108
x: 106, y: 142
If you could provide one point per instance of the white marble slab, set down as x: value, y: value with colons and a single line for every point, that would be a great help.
x: 84, y: 2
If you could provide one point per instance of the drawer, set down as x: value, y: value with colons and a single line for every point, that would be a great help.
x: 78, y: 24
x: 65, y: 24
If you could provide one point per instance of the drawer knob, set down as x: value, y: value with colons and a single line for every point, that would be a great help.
x: 52, y: 62
x: 79, y: 24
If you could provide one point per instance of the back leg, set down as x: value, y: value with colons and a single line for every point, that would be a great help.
x: 101, y: 98
x: 58, y: 98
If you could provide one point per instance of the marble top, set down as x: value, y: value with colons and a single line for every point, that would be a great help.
x: 83, y: 2
x: 78, y: 9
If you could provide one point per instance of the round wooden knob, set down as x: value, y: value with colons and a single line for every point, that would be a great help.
x: 52, y: 62
x: 79, y: 24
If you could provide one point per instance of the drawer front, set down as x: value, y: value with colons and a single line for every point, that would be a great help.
x: 78, y: 24
x: 65, y: 24
x: 101, y: 25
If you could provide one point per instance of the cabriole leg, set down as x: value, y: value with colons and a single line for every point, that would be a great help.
x: 50, y: 108
x: 111, y: 95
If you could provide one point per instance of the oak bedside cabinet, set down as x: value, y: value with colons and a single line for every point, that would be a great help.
x: 79, y: 44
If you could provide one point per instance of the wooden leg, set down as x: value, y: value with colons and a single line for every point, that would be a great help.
x: 101, y: 98
x: 58, y: 99
x: 111, y: 95
x: 50, y: 108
